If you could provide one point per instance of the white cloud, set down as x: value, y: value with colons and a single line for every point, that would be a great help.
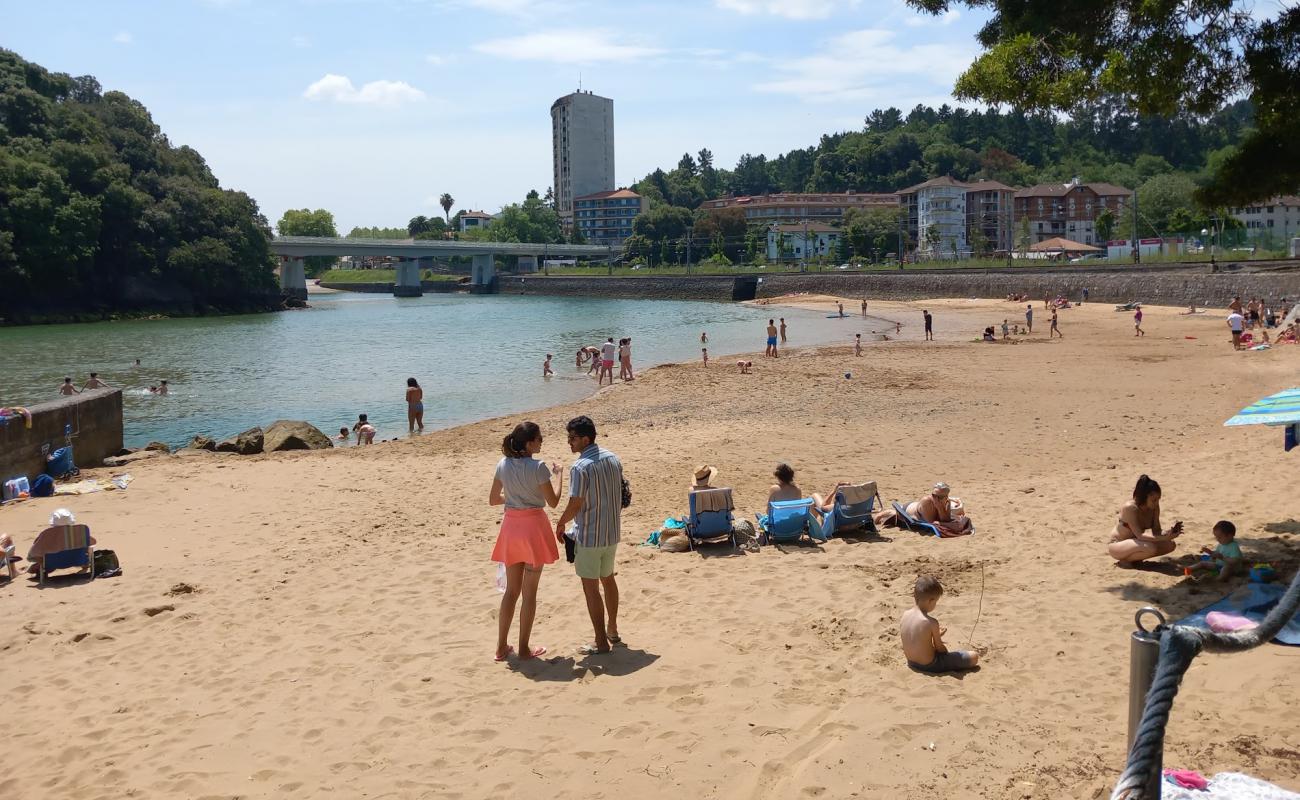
x: 568, y: 47
x: 339, y: 89
x: 123, y: 37
x: 300, y: 41
x: 520, y: 8
x: 918, y: 19
x: 869, y: 65
x: 790, y: 9
x: 437, y: 60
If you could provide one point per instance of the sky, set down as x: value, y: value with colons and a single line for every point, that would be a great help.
x: 373, y: 108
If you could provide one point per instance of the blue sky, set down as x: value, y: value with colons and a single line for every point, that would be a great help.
x: 373, y: 108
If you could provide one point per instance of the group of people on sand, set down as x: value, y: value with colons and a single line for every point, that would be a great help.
x: 1243, y: 320
x: 776, y: 333
x: 602, y: 360
x: 1139, y: 536
x: 527, y: 540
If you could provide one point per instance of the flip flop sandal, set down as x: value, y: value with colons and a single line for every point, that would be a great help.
x: 592, y: 650
x: 615, y: 639
x: 536, y: 652
x: 509, y: 652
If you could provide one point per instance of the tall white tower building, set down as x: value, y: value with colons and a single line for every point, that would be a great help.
x: 582, y: 149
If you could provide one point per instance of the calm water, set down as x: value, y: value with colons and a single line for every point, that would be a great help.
x: 476, y: 356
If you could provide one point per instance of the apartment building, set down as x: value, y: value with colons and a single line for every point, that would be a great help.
x: 795, y: 242
x: 1069, y: 210
x: 947, y: 218
x: 606, y: 217
x: 792, y: 207
x: 582, y: 149
x: 1277, y: 219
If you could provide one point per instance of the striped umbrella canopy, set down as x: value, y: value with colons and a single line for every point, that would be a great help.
x: 1282, y: 408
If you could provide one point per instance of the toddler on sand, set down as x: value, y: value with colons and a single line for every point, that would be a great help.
x: 1225, y: 559
x: 923, y: 637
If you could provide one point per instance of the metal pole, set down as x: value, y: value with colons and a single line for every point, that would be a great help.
x: 1144, y: 652
x: 1137, y: 238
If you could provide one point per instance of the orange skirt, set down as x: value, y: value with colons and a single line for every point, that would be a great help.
x: 526, y: 537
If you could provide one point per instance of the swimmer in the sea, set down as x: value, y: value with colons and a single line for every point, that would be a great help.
x: 546, y: 367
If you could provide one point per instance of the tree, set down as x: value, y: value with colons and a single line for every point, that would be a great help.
x: 1155, y: 58
x: 530, y: 221
x: 872, y: 231
x: 417, y: 226
x: 1105, y: 224
x: 305, y: 222
x: 379, y: 233
x: 1161, y: 197
x: 933, y: 238
x: 446, y: 201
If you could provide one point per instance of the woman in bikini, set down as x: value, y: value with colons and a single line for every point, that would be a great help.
x: 1130, y: 542
x: 414, y: 405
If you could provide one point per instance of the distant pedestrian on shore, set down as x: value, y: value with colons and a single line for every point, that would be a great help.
x: 857, y: 344
x: 1137, y: 322
x: 415, y: 405
x: 782, y: 331
x: 94, y: 383
x: 841, y: 307
x: 625, y: 359
x: 546, y: 367
x: 595, y: 507
x: 524, y: 544
x: 1235, y: 321
x: 67, y: 389
x: 1054, y: 330
x: 1085, y: 296
x: 704, y: 353
x: 929, y: 325
x: 770, y: 352
x: 1004, y: 329
x: 162, y: 387
x: 608, y: 351
x: 1029, y: 318
x: 864, y: 306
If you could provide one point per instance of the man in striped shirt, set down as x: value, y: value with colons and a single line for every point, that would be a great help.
x: 595, y: 504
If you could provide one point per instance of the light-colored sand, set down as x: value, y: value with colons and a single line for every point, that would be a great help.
x: 339, y: 638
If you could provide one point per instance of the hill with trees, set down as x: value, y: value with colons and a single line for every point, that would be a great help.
x: 100, y: 214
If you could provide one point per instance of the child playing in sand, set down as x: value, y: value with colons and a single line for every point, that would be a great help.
x: 857, y: 344
x: 1004, y: 329
x: 546, y: 367
x: 745, y: 366
x: 923, y: 636
x: 704, y: 353
x: 1225, y: 559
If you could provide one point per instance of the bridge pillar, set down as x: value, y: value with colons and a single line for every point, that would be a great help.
x: 527, y: 264
x: 407, y: 283
x: 483, y: 274
x: 293, y: 278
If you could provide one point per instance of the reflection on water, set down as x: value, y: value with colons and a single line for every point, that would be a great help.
x: 476, y: 356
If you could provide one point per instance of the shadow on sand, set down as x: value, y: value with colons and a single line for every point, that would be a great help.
x: 620, y: 661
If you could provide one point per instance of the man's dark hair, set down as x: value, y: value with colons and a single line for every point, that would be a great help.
x: 582, y: 426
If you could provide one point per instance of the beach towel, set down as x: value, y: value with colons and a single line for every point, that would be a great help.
x: 1251, y: 601
x: 712, y: 500
x: 1228, y: 786
x: 58, y: 539
x: 861, y: 493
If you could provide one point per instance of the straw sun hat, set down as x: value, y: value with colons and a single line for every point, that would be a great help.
x: 704, y: 475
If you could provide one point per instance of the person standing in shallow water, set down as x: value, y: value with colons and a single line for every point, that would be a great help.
x: 414, y: 405
x: 782, y: 330
x: 524, y: 544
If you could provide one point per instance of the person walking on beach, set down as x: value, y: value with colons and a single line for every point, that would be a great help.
x: 608, y: 351
x: 595, y: 507
x: 704, y: 354
x: 1029, y: 318
x: 414, y: 405
x: 864, y: 306
x: 1053, y: 330
x: 770, y: 352
x: 1137, y: 322
x: 67, y: 389
x: 783, y: 329
x: 524, y: 544
x: 929, y: 325
x: 857, y: 344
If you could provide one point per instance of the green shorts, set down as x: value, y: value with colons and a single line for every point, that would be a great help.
x: 594, y: 562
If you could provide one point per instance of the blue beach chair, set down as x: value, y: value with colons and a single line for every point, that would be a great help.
x: 786, y: 521
x: 852, y: 509
x: 62, y: 547
x: 710, y: 519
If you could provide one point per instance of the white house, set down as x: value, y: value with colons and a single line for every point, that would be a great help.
x: 473, y: 220
x: 1273, y: 221
x: 787, y: 242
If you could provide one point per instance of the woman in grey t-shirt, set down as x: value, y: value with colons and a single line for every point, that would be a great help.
x: 525, y: 543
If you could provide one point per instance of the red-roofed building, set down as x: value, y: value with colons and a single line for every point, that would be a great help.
x: 606, y: 217
x: 1070, y: 210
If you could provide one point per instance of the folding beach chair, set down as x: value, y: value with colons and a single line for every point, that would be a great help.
x: 914, y: 524
x: 710, y: 519
x: 852, y: 509
x: 788, y: 520
x: 62, y: 547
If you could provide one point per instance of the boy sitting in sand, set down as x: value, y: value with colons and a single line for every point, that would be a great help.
x: 1225, y: 559
x: 923, y: 636
x: 745, y: 366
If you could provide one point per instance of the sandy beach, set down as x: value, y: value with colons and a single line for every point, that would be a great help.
x: 322, y: 624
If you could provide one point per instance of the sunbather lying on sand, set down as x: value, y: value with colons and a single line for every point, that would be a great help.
x: 940, y: 510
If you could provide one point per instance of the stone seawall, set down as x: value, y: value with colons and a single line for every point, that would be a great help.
x: 95, y: 417
x: 1173, y: 286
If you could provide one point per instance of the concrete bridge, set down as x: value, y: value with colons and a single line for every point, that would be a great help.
x: 415, y: 255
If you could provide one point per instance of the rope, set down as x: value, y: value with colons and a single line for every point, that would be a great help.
x: 1179, y: 646
x: 981, y: 608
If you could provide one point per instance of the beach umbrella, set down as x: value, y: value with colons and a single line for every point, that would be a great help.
x: 1282, y: 408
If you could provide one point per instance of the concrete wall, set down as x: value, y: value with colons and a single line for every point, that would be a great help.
x: 1176, y: 286
x: 96, y: 420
